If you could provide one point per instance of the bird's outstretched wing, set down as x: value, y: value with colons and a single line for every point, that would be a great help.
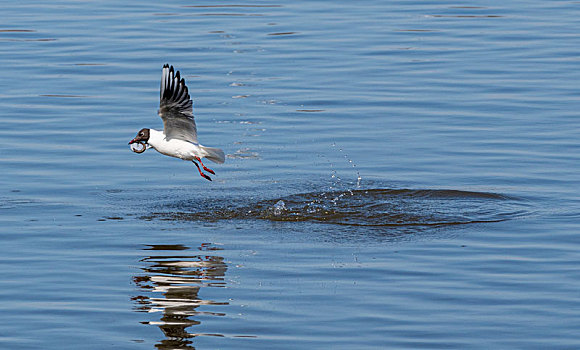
x: 176, y: 107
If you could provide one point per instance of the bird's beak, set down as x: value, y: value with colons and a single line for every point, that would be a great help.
x: 133, y: 141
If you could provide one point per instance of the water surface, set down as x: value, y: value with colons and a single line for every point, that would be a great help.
x: 398, y: 175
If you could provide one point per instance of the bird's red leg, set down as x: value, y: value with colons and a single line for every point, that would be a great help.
x: 200, y: 173
x: 204, y: 168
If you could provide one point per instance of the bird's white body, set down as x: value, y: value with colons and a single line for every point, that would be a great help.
x: 174, y: 147
x: 182, y: 149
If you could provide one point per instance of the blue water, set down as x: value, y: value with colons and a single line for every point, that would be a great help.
x: 400, y: 174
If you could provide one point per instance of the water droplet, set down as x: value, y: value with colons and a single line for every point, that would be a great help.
x: 279, y: 207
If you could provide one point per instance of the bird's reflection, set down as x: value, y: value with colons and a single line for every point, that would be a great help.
x: 170, y: 282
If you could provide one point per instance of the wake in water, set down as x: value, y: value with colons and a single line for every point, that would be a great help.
x: 370, y: 207
x: 346, y: 203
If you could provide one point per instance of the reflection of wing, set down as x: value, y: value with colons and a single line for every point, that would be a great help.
x: 176, y: 108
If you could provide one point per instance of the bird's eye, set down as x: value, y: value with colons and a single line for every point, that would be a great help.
x: 140, y: 134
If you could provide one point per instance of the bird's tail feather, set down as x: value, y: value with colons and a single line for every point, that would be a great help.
x: 216, y: 155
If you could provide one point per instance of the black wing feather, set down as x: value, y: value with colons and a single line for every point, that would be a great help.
x: 176, y: 107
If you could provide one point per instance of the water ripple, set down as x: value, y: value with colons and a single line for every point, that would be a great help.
x: 169, y: 283
x: 370, y: 207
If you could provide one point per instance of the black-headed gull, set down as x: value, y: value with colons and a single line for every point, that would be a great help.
x: 179, y: 136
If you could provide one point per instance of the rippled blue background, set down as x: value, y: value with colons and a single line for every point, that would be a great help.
x: 104, y: 248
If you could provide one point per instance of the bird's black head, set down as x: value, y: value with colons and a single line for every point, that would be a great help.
x: 142, y: 136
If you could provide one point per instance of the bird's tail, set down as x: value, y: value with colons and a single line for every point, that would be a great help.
x: 216, y: 155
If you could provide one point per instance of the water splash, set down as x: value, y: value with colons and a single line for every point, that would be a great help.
x: 279, y: 207
x: 371, y: 207
x: 352, y: 164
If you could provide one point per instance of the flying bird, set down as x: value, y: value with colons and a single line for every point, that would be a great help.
x: 179, y: 136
